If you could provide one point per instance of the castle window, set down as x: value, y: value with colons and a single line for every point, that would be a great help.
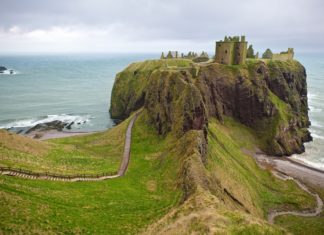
x: 225, y: 51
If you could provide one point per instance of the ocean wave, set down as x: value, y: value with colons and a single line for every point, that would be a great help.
x: 315, y: 99
x: 7, y: 72
x: 311, y: 96
x: 316, y: 124
x: 319, y: 163
x: 313, y: 109
x: 315, y: 136
x: 77, y: 119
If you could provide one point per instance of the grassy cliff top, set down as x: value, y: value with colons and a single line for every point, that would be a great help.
x: 151, y: 65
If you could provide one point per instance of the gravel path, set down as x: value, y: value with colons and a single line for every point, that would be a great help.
x: 288, y: 169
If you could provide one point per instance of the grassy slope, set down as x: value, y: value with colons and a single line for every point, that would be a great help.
x: 303, y: 225
x: 149, y: 190
x: 231, y: 164
x: 251, y: 191
x: 90, y: 154
x: 122, y: 205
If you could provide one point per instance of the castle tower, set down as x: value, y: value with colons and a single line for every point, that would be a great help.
x: 231, y: 51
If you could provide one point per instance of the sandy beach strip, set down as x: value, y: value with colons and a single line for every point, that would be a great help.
x: 54, y: 134
x: 289, y: 166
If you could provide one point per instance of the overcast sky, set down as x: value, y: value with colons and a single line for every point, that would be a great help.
x: 153, y: 26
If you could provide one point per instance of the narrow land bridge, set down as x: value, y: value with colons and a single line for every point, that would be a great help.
x: 124, y: 164
x: 45, y: 176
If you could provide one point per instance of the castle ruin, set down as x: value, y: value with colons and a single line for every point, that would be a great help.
x: 231, y: 51
x: 285, y: 55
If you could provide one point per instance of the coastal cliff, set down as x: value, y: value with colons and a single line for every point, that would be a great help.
x: 218, y: 116
x: 192, y: 168
x: 268, y: 96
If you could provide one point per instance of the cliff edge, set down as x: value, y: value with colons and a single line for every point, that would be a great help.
x: 268, y: 96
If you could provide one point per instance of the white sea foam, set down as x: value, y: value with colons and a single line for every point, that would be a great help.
x: 7, y: 72
x: 315, y: 136
x: 49, y: 118
x: 313, y: 109
x: 314, y: 163
x: 311, y: 96
x: 316, y: 124
x: 315, y: 99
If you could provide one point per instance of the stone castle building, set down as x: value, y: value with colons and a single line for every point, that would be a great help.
x: 231, y: 51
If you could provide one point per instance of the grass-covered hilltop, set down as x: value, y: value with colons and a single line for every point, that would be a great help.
x: 270, y: 97
x: 192, y: 169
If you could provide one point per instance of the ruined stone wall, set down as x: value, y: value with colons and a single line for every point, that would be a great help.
x: 283, y: 57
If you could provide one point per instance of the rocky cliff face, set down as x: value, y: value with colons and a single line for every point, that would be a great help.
x: 270, y: 97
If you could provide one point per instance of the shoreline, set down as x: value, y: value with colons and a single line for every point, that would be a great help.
x: 55, y: 134
x: 308, y: 174
x: 304, y: 163
x: 308, y: 178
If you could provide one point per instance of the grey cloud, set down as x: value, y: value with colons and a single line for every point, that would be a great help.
x: 277, y: 21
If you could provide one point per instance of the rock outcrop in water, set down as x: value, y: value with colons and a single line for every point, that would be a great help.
x: 2, y: 69
x: 54, y: 125
x: 270, y: 97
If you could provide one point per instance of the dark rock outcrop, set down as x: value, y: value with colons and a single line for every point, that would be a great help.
x: 174, y: 102
x: 54, y: 125
x: 2, y: 69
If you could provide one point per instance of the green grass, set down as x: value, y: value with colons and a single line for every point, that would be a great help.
x: 123, y: 205
x: 303, y: 225
x: 150, y: 188
x: 90, y: 154
x: 231, y: 164
x: 131, y: 84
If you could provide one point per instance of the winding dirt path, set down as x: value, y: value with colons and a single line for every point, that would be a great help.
x: 122, y: 168
x: 286, y: 168
x: 318, y: 209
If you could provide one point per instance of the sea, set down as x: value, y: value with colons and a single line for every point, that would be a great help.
x: 68, y: 88
x: 314, y: 151
x: 77, y: 88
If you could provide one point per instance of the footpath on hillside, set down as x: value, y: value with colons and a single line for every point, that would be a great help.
x: 286, y: 168
x: 23, y: 173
